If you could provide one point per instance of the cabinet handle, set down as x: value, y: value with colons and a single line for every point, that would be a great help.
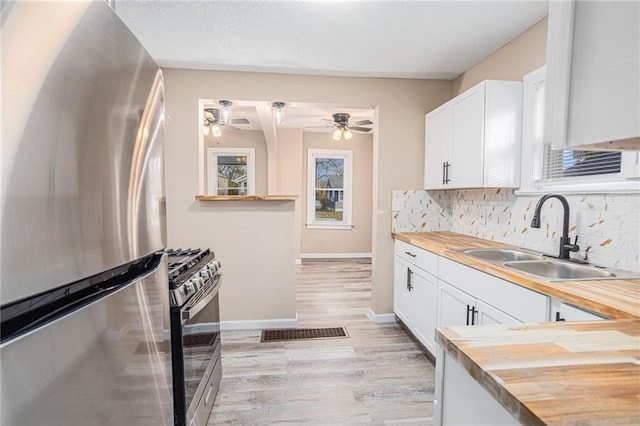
x: 468, y: 311
x: 474, y: 311
x: 446, y: 172
x: 410, y: 254
x: 558, y: 318
x: 409, y: 273
x: 444, y: 168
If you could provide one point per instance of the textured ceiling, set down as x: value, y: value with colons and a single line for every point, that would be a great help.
x: 404, y: 39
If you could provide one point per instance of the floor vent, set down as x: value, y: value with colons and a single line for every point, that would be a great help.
x: 303, y: 334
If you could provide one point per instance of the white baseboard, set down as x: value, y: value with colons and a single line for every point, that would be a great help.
x: 259, y: 324
x: 381, y: 318
x: 335, y: 255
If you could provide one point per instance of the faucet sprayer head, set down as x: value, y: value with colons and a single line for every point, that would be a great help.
x: 535, y: 221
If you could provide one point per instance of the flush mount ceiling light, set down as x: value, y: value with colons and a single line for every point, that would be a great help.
x: 226, y: 111
x: 277, y: 108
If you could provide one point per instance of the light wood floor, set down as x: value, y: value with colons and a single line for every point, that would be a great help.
x: 376, y: 376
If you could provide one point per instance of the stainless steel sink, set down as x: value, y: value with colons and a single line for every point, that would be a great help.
x: 545, y: 267
x: 557, y: 270
x: 502, y: 255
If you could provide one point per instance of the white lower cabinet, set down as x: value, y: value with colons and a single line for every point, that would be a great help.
x: 561, y: 311
x: 424, y: 309
x: 456, y: 307
x: 487, y: 314
x: 461, y: 400
x: 519, y: 303
x: 453, y: 306
x: 402, y: 296
x: 415, y: 292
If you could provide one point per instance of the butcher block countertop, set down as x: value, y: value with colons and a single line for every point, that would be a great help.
x: 583, y: 373
x: 557, y: 372
x: 615, y: 299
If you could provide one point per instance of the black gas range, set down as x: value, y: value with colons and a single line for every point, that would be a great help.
x: 195, y: 276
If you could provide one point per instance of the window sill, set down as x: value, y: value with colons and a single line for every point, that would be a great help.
x: 246, y: 197
x: 329, y: 226
x: 628, y: 187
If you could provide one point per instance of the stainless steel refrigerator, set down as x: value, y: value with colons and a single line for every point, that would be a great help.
x: 83, y: 288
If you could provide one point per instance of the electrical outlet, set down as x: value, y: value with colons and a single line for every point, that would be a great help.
x: 482, y: 217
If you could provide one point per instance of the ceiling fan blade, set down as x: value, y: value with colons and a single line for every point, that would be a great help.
x: 239, y: 121
x: 230, y: 127
x: 362, y: 122
x: 360, y: 129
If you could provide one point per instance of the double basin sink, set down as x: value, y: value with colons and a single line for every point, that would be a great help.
x: 545, y: 267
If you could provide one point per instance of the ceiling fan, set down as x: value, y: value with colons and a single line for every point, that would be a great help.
x: 344, y: 127
x: 216, y: 118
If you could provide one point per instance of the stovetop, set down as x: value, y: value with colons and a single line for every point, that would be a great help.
x: 189, y: 271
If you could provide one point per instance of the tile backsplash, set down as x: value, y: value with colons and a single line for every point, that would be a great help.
x: 607, y: 225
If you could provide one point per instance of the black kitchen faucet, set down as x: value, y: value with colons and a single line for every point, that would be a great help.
x: 565, y: 241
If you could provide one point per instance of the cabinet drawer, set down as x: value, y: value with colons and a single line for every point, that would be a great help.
x: 419, y: 257
x: 521, y: 303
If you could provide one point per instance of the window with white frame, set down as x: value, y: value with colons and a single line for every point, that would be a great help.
x: 545, y: 168
x: 329, y: 193
x: 231, y: 171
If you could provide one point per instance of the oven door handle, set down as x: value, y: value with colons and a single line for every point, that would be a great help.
x: 192, y: 311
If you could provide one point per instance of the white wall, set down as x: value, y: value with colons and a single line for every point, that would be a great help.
x: 398, y: 145
x: 357, y: 239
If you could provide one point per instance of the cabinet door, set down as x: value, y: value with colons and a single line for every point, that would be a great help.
x: 487, y: 314
x: 454, y: 306
x: 437, y: 146
x: 467, y: 139
x: 593, y: 63
x: 402, y: 296
x: 564, y: 312
x: 425, y: 294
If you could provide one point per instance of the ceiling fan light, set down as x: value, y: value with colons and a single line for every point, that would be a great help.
x: 216, y: 130
x: 226, y: 111
x: 278, y: 112
x: 337, y: 134
x: 347, y: 134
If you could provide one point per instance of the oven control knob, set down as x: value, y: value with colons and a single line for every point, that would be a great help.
x: 205, y: 273
x: 193, y: 285
x: 199, y: 282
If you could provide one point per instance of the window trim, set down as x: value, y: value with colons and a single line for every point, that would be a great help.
x: 212, y: 158
x: 627, y: 181
x: 347, y: 156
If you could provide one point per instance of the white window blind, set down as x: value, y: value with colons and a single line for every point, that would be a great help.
x: 557, y: 165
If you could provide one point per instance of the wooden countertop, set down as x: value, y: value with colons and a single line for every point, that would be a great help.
x: 615, y: 299
x: 246, y: 197
x: 555, y: 373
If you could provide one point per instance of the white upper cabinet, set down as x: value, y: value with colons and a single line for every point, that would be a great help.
x: 473, y: 141
x: 593, y: 74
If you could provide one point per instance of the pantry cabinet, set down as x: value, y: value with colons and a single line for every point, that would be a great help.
x: 593, y: 69
x: 473, y: 141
